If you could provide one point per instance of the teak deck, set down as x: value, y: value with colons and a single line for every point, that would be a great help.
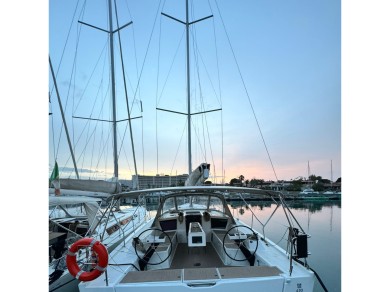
x: 199, y: 263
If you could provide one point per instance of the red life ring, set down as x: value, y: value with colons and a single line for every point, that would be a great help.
x: 102, y: 259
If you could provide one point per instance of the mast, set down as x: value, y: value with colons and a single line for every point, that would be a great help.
x: 63, y: 120
x: 188, y: 91
x: 331, y: 176
x: 331, y: 172
x: 187, y: 23
x: 115, y: 147
x: 114, y: 121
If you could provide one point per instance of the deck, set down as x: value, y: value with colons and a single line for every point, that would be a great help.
x: 192, y: 274
x: 198, y: 263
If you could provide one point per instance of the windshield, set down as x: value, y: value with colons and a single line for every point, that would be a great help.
x: 199, y: 202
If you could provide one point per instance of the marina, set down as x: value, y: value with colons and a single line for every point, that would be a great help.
x: 209, y: 224
x: 194, y: 238
x: 322, y: 221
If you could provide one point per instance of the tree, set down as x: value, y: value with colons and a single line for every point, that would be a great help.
x: 235, y: 181
x: 318, y: 187
x: 256, y: 182
x: 315, y: 178
x: 295, y: 185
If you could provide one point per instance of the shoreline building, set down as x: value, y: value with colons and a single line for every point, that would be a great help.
x: 158, y: 181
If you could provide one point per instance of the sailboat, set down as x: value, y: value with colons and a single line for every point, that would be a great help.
x: 308, y: 190
x: 79, y: 207
x: 73, y: 217
x: 331, y: 191
x: 194, y: 241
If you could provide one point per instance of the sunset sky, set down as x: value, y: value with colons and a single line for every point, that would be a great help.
x: 289, y: 57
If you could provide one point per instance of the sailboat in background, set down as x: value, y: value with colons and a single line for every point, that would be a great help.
x: 80, y: 207
x: 104, y: 112
x: 308, y: 190
x: 331, y: 191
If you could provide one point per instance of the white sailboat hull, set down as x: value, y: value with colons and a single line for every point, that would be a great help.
x: 212, y: 265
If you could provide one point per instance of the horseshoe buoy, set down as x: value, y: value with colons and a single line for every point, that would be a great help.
x: 102, y: 259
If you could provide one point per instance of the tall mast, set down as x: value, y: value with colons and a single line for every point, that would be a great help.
x: 114, y: 121
x: 187, y: 23
x: 188, y: 91
x: 331, y: 172
x: 115, y: 147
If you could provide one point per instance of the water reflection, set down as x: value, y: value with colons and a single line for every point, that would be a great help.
x: 320, y: 219
x: 312, y: 206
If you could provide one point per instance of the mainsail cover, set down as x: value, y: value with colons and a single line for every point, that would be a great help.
x: 198, y: 176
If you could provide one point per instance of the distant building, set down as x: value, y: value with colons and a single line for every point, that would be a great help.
x: 158, y: 181
x: 279, y: 186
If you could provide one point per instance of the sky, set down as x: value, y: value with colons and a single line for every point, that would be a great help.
x: 273, y: 67
x: 364, y: 145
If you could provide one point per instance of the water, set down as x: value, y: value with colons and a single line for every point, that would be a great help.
x: 321, y: 220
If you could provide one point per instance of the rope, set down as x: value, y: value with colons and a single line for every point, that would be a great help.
x: 315, y: 273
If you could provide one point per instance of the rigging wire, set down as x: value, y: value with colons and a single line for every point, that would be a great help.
x: 146, y: 53
x: 197, y: 57
x: 157, y: 77
x: 170, y: 68
x: 127, y: 99
x: 76, y: 106
x: 56, y: 74
x: 52, y: 129
x: 177, y: 151
x: 159, y: 95
x: 139, y: 92
x: 204, y: 116
x: 246, y: 91
x: 196, y: 69
x: 67, y: 38
x: 220, y: 92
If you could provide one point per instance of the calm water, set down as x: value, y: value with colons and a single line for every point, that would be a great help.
x: 321, y: 220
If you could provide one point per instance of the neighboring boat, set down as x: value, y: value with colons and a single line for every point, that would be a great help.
x: 74, y: 212
x: 308, y: 190
x: 331, y: 191
x: 73, y: 217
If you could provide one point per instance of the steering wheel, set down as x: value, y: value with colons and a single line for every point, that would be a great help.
x: 239, y: 242
x: 146, y: 246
